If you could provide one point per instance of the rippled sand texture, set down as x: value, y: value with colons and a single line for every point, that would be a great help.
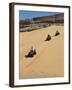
x: 49, y: 60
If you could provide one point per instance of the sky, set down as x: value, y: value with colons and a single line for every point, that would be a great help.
x: 31, y: 14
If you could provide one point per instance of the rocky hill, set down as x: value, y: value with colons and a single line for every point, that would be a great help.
x: 41, y: 22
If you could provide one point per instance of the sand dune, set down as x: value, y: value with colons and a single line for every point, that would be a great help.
x: 49, y: 60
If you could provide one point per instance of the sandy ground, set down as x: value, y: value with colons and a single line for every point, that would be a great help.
x: 49, y: 60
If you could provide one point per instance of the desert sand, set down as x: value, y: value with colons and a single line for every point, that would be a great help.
x: 49, y: 60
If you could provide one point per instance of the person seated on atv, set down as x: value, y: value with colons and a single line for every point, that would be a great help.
x: 57, y: 33
x: 48, y: 38
x: 34, y: 51
x: 31, y: 53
